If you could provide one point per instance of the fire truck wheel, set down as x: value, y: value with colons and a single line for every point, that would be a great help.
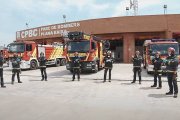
x: 33, y: 65
x: 63, y: 62
x: 96, y: 68
x: 57, y: 63
x: 144, y: 66
x: 149, y: 72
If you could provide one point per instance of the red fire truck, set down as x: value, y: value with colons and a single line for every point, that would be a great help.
x: 4, y: 52
x: 29, y: 52
x: 152, y: 46
x: 90, y: 49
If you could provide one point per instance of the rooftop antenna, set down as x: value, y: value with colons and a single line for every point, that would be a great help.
x: 127, y: 11
x: 165, y: 9
x: 27, y: 25
x: 64, y: 17
x: 134, y: 6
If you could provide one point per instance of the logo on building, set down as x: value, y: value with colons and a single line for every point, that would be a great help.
x: 47, y: 31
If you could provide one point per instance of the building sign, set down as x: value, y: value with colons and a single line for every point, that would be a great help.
x: 46, y: 31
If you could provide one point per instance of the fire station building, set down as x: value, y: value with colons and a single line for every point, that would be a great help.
x: 126, y: 34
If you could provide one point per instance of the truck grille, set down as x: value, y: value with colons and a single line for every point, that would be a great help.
x: 82, y: 58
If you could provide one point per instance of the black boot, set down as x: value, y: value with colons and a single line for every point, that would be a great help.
x: 18, y: 77
x: 19, y: 80
x: 2, y: 83
x: 12, y: 82
x: 175, y: 95
x: 133, y: 81
x: 169, y: 93
x: 153, y: 85
x: 159, y: 87
x: 3, y: 86
x: 42, y: 78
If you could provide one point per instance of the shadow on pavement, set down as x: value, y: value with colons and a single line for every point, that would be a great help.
x: 14, y: 82
x: 58, y: 77
x: 99, y: 82
x: 59, y: 73
x: 7, y: 83
x: 30, y: 75
x: 88, y: 73
x: 127, y: 84
x: 158, y: 96
x: 34, y: 80
x: 69, y: 80
x: 146, y: 88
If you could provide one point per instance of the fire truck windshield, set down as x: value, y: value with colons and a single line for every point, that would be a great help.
x: 16, y: 48
x: 76, y: 46
x: 163, y: 48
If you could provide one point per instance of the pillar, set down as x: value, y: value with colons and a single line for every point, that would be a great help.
x: 128, y: 47
x: 169, y: 34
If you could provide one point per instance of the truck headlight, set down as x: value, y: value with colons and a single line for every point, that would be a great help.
x: 23, y: 61
x: 89, y: 65
x: 67, y: 65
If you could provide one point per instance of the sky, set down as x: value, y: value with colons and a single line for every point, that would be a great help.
x: 14, y: 14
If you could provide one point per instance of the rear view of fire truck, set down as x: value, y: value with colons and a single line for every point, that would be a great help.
x: 90, y: 50
x: 53, y: 53
x: 152, y: 46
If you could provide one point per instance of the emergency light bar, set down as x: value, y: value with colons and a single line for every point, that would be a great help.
x: 78, y: 36
x: 159, y: 40
x: 82, y: 36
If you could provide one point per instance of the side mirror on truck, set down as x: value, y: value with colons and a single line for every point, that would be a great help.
x: 150, y: 52
x: 93, y: 46
x: 106, y: 44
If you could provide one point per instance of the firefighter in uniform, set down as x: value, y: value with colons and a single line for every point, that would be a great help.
x: 42, y: 65
x: 108, y: 65
x: 157, y: 62
x: 76, y: 66
x: 1, y: 70
x: 171, y: 67
x: 16, y: 61
x: 137, y: 61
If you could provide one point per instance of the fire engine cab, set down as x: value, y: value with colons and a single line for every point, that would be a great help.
x: 90, y: 49
x: 29, y: 52
x: 152, y: 46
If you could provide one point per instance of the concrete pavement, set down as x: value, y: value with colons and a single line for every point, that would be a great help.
x: 61, y: 99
